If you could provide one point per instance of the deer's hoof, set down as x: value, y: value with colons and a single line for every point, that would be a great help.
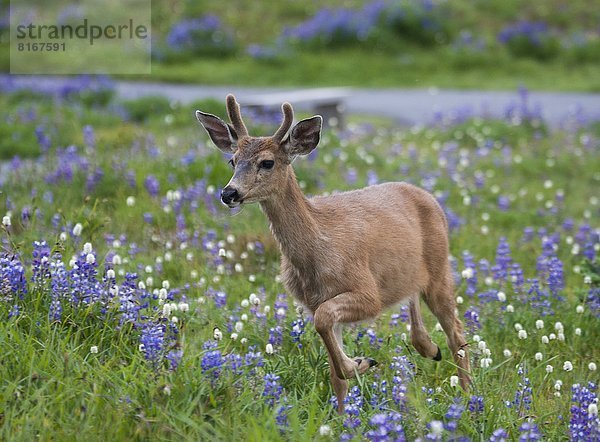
x: 438, y: 356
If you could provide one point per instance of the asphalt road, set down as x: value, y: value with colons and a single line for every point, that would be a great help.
x: 406, y: 106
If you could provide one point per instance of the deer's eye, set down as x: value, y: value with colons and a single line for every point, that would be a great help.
x: 231, y: 163
x: 266, y: 164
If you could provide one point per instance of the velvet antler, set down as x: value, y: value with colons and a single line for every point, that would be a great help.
x: 288, y: 117
x: 233, y: 110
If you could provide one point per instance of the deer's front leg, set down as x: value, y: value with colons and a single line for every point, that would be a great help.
x: 345, y: 308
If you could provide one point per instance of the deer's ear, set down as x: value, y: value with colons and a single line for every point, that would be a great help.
x: 221, y: 133
x: 303, y: 137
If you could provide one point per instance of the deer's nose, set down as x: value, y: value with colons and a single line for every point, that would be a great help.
x: 229, y: 195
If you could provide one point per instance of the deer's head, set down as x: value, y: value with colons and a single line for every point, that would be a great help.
x: 261, y: 165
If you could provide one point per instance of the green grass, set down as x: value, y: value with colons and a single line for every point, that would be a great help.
x: 411, y: 69
x: 54, y: 388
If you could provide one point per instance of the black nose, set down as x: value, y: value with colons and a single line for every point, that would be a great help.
x: 229, y: 195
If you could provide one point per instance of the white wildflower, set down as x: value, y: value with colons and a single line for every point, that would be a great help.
x: 545, y: 339
x: 90, y: 258
x: 459, y: 300
x: 549, y: 368
x: 468, y: 273
x: 485, y: 362
x: 568, y: 366
x: 77, y: 229
x: 324, y: 430
x: 183, y: 307
x: 269, y: 349
x: 578, y: 331
x: 6, y: 221
x: 593, y: 409
x: 94, y: 349
x: 234, y: 336
x: 174, y: 319
x: 539, y: 324
x: 239, y: 326
x: 217, y: 334
x: 110, y: 274
x: 510, y: 308
x: 592, y: 366
x: 501, y: 296
x: 579, y: 309
x: 507, y: 353
x: 62, y: 236
x: 539, y: 356
x: 166, y: 284
x: 558, y: 326
x: 518, y: 327
x: 130, y: 201
x: 453, y: 381
x: 436, y: 427
x: 522, y: 334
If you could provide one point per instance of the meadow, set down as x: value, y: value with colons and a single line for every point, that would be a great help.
x: 135, y: 306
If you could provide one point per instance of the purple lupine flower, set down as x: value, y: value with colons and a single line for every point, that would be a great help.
x: 152, y: 341
x: 529, y: 431
x: 523, y: 394
x: 516, y: 277
x: 503, y: 260
x: 276, y: 335
x: 499, y: 435
x: 453, y: 415
x: 40, y: 264
x: 59, y: 287
x: 386, y: 426
x: 476, y: 404
x: 470, y: 274
x: 297, y: 331
x: 584, y: 424
x: 85, y: 287
x: 253, y: 360
x: 89, y: 138
x: 42, y: 139
x: 174, y: 358
x: 213, y: 360
x: 556, y: 280
x: 235, y: 362
x: 129, y: 303
x: 471, y: 316
x: 13, y: 284
x: 593, y: 301
x: 152, y: 185
x: 282, y: 416
x: 539, y: 298
x: 528, y: 234
x: 272, y: 389
x: 503, y: 203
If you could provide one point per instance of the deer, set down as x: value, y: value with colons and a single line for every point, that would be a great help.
x: 346, y: 256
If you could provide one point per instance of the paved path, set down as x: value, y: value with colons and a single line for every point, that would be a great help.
x: 406, y: 106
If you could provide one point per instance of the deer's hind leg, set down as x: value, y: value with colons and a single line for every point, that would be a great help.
x: 419, y: 337
x: 440, y: 300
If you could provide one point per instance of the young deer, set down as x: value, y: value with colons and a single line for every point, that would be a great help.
x: 347, y: 256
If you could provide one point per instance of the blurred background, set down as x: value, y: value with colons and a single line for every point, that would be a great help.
x: 484, y: 44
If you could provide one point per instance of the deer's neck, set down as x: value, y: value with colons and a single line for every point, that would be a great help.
x: 293, y: 222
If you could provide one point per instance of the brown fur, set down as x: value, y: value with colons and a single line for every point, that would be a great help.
x: 348, y: 256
